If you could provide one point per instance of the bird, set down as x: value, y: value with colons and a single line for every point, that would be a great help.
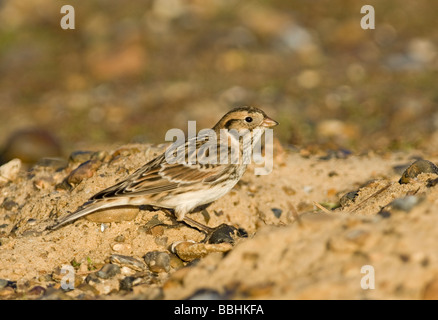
x: 190, y: 180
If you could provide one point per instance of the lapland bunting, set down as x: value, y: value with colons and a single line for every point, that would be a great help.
x: 182, y: 186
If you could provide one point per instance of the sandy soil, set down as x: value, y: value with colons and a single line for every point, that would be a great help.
x: 296, y: 251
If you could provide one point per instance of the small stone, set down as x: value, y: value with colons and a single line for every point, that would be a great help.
x: 84, y: 171
x: 126, y: 261
x: 277, y: 212
x: 120, y: 238
x: 80, y: 156
x: 419, y: 166
x: 126, y: 283
x: 3, y: 283
x: 161, y: 241
x: 348, y: 198
x: 7, y: 291
x: 190, y: 251
x: 225, y: 233
x: 31, y: 222
x: 432, y: 183
x: 43, y: 183
x: 103, y: 227
x: 308, y: 189
x: 157, y: 231
x: 289, y: 191
x: 206, y: 294
x: 63, y: 186
x: 9, y: 204
x: 108, y: 271
x: 121, y: 247
x: 405, y: 204
x: 157, y: 261
x: 332, y: 174
x: 384, y: 213
x: 92, y: 278
x: 9, y: 171
x: 175, y: 262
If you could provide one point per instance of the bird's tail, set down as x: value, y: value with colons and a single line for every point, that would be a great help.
x: 86, y: 209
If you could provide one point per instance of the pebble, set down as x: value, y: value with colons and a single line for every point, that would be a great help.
x: 277, y: 212
x: 121, y: 247
x: 384, y: 213
x: 9, y: 204
x: 432, y: 183
x: 161, y: 241
x: 307, y: 189
x: 225, y: 233
x: 405, y: 204
x: 9, y: 171
x: 157, y: 261
x: 175, y: 262
x: 103, y: 227
x: 206, y: 294
x: 419, y: 166
x: 44, y: 183
x: 289, y: 191
x: 6, y: 291
x: 348, y: 198
x: 108, y: 271
x: 3, y: 283
x: 120, y: 238
x: 80, y: 156
x: 126, y: 261
x: 31, y: 222
x: 126, y: 283
x: 92, y: 278
x: 190, y: 250
x: 84, y: 171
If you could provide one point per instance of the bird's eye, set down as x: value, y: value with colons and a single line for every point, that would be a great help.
x: 248, y: 119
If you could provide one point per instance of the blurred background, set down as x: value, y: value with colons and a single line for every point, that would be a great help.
x: 132, y: 70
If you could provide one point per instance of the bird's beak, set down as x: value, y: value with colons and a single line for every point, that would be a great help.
x: 268, y: 122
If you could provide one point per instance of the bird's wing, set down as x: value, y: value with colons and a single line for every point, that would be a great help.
x: 160, y: 176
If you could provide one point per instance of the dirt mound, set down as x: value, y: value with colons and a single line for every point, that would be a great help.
x: 301, y: 243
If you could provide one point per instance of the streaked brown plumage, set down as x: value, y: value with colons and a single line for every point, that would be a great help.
x: 182, y: 187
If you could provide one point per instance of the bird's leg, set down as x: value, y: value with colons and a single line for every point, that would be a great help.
x: 188, y: 221
x: 197, y: 225
x: 219, y: 234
